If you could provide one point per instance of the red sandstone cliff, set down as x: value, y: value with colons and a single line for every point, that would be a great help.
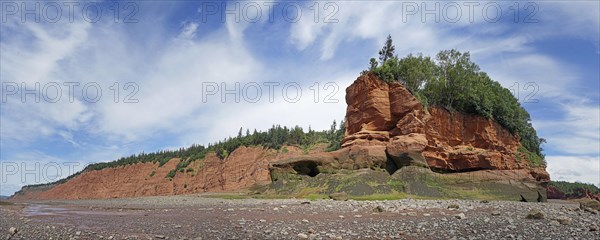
x: 387, y: 114
x: 243, y: 168
x: 387, y: 127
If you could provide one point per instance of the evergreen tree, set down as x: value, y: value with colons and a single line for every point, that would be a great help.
x: 372, y: 64
x: 387, y: 52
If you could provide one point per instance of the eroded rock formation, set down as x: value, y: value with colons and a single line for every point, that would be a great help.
x: 387, y: 126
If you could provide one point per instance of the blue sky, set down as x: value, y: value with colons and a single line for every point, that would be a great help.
x: 169, y: 50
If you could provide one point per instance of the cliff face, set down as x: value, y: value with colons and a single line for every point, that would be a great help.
x: 430, y: 152
x: 244, y: 167
x: 390, y: 137
x: 382, y: 114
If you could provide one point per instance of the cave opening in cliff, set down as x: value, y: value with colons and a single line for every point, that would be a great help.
x: 307, y: 168
x: 390, y: 166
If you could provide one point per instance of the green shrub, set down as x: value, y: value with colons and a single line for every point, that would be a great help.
x: 534, y: 159
x: 397, y: 185
x: 152, y: 173
x: 171, y: 173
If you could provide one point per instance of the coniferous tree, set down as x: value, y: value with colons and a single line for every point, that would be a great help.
x: 387, y: 52
x: 372, y: 64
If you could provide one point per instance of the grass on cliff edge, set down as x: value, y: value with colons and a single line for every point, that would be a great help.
x: 2, y: 203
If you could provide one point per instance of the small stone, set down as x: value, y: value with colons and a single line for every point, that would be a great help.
x: 453, y: 206
x: 496, y: 213
x: 378, y: 209
x: 564, y: 220
x: 357, y: 216
x: 111, y: 238
x: 13, y: 230
x: 159, y: 237
x: 276, y: 209
x: 593, y: 228
x: 78, y: 233
x: 304, y: 221
x: 535, y: 214
x: 302, y: 236
x: 460, y: 216
x: 177, y: 226
x: 262, y: 220
x: 339, y: 196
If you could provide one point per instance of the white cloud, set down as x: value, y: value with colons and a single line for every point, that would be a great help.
x: 226, y: 119
x: 169, y: 95
x: 580, y: 19
x: 359, y: 21
x: 577, y: 132
x: 552, y: 77
x: 34, y: 168
x: 189, y: 30
x: 30, y: 56
x: 574, y: 169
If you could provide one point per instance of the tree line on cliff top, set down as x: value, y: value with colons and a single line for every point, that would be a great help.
x: 454, y: 82
x: 574, y: 189
x: 276, y: 137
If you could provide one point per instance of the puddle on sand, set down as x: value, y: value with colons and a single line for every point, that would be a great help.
x: 33, y: 210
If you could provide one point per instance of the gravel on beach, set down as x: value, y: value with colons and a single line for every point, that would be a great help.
x: 200, y: 217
